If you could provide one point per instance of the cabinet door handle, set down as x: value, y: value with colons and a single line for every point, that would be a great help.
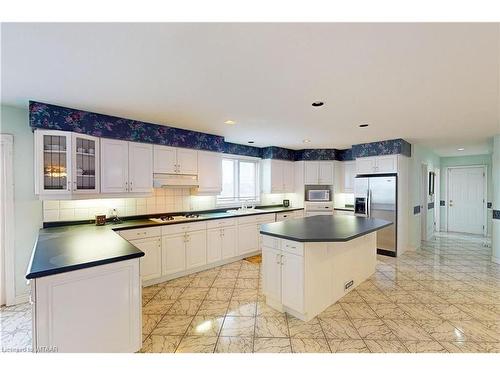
x: 282, y: 259
x: 278, y: 259
x: 69, y: 185
x: 74, y: 186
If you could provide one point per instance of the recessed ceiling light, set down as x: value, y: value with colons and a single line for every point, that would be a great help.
x: 317, y: 103
x: 460, y: 149
x: 306, y: 141
x: 251, y: 141
x: 229, y: 122
x: 363, y: 125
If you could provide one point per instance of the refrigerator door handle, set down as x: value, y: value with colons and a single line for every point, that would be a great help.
x: 370, y: 203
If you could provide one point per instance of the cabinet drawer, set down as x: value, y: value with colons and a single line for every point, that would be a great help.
x: 271, y: 242
x: 134, y: 234
x: 292, y: 247
x: 252, y: 219
x: 181, y: 228
x: 267, y: 218
x: 220, y: 223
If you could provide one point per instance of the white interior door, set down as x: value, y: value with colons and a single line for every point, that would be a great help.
x: 466, y: 199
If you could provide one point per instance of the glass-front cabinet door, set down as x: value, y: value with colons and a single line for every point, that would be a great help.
x: 68, y: 163
x: 54, y: 161
x: 85, y: 160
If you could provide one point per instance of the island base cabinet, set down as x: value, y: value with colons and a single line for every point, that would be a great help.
x: 304, y: 279
x: 95, y: 309
x: 283, y: 274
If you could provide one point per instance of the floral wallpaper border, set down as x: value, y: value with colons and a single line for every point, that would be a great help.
x: 54, y: 117
x: 387, y: 147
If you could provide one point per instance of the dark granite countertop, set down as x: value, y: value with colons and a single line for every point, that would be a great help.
x: 324, y: 228
x: 67, y: 248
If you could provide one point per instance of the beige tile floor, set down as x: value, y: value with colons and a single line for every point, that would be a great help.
x: 444, y: 297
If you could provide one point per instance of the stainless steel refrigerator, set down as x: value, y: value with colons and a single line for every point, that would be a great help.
x: 377, y: 196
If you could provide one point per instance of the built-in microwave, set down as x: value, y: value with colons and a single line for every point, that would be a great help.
x: 317, y: 195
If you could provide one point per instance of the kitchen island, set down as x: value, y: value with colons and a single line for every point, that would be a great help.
x: 310, y: 263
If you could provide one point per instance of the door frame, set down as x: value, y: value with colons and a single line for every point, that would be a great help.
x: 437, y: 200
x: 424, y: 197
x: 485, y: 193
x: 7, y: 262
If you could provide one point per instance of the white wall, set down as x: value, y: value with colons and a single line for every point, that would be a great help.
x: 27, y: 208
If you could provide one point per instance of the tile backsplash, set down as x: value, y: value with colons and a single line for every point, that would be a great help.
x: 162, y: 201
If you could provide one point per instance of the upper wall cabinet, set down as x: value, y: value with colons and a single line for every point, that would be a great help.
x: 126, y: 167
x: 174, y: 160
x: 318, y: 172
x: 345, y: 172
x: 209, y: 173
x: 377, y: 164
x: 66, y: 164
x: 277, y: 176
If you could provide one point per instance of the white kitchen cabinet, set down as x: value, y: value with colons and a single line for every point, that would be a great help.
x: 126, y: 167
x: 283, y: 274
x: 289, y: 176
x: 292, y: 278
x: 150, y: 263
x: 282, y: 216
x: 114, y: 166
x: 140, y: 167
x: 221, y: 243
x: 229, y: 242
x: 92, y: 310
x: 311, y: 172
x: 214, y: 245
x: 277, y: 176
x: 209, y: 173
x: 325, y: 176
x: 377, y: 164
x: 271, y: 270
x: 173, y: 160
x: 85, y: 164
x: 66, y: 164
x: 349, y: 176
x: 187, y: 161
x: 196, y: 249
x: 318, y: 172
x: 164, y: 159
x: 174, y: 254
x: 248, y: 238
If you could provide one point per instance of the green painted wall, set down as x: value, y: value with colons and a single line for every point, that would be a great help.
x: 420, y: 155
x: 458, y: 161
x: 27, y: 208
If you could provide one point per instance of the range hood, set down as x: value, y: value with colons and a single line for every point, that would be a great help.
x: 168, y: 180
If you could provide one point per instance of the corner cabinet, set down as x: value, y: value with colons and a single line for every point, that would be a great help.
x: 377, y: 164
x: 66, y: 164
